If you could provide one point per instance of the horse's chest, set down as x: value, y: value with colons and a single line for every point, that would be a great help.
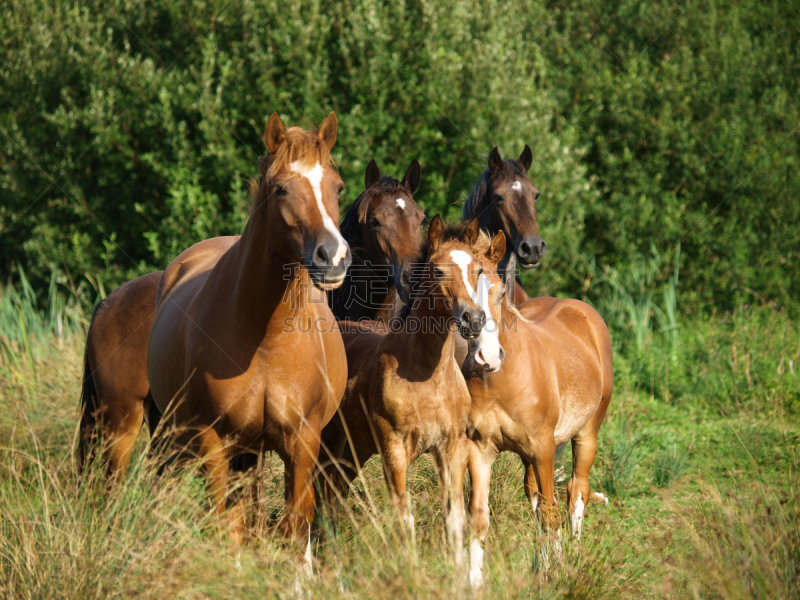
x: 426, y: 409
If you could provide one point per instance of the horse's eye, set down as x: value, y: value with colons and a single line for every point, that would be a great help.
x: 497, y: 198
x: 340, y: 190
x: 424, y: 221
x: 278, y: 191
x: 438, y: 273
x: 536, y: 196
x: 373, y: 222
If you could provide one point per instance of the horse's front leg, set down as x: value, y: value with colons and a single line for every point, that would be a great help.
x: 452, y: 464
x: 481, y: 459
x: 301, y: 461
x: 395, y: 469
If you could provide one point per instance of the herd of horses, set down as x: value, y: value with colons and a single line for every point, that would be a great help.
x: 415, y: 347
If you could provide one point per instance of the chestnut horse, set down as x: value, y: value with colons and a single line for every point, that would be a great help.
x: 505, y: 200
x: 231, y: 362
x: 555, y: 386
x: 383, y: 230
x: 406, y: 395
x: 116, y: 399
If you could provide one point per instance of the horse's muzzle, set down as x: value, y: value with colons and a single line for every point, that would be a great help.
x: 471, y: 323
x: 530, y: 251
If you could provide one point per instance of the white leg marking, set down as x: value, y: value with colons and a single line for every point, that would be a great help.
x: 576, y: 518
x: 308, y: 567
x: 535, y: 502
x: 597, y: 496
x: 314, y: 177
x: 476, y: 563
x: 409, y: 521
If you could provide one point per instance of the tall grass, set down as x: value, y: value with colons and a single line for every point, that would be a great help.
x: 704, y: 500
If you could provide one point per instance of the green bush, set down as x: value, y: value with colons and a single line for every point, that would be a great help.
x: 128, y: 128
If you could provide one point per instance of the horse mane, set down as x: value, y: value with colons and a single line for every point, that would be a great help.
x: 357, y: 214
x: 299, y: 146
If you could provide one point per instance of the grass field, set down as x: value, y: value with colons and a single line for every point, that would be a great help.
x: 699, y: 455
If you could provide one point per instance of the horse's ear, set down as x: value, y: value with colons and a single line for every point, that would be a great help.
x: 373, y: 174
x: 275, y: 133
x: 327, y: 131
x: 526, y: 158
x: 511, y: 278
x: 471, y: 232
x: 435, y: 233
x: 497, y: 249
x: 495, y: 160
x: 411, y: 178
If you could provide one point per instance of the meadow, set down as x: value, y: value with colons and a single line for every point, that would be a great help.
x: 699, y: 456
x: 665, y: 140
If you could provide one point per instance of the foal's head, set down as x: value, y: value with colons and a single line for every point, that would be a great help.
x: 505, y: 200
x: 300, y: 189
x: 384, y: 224
x: 455, y: 266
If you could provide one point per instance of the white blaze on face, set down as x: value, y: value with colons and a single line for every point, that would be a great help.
x: 488, y: 349
x: 516, y: 186
x: 401, y: 203
x: 314, y: 177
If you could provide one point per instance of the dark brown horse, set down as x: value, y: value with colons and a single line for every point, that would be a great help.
x: 406, y: 395
x: 231, y: 361
x: 116, y: 391
x: 504, y: 199
x: 555, y: 386
x: 383, y: 230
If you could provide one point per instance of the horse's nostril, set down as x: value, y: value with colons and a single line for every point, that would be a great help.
x: 466, y: 318
x: 525, y: 249
x: 322, y: 254
x: 542, y: 248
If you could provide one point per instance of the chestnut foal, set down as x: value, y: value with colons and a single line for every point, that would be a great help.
x: 230, y: 362
x: 405, y: 393
x: 555, y: 386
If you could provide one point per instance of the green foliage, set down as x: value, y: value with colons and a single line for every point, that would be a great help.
x: 129, y: 129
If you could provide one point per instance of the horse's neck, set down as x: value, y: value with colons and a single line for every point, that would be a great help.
x: 431, y: 339
x: 361, y: 284
x: 266, y: 283
x: 391, y: 306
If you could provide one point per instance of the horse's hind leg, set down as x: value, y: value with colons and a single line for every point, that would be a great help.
x: 584, y: 448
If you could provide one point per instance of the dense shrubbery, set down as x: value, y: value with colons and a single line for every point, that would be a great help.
x: 129, y: 128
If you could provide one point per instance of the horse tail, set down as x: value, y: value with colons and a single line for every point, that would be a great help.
x: 87, y: 435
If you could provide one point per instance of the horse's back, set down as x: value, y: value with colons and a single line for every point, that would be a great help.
x: 192, y: 262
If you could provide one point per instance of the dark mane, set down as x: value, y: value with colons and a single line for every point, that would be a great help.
x: 478, y: 200
x: 357, y: 215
